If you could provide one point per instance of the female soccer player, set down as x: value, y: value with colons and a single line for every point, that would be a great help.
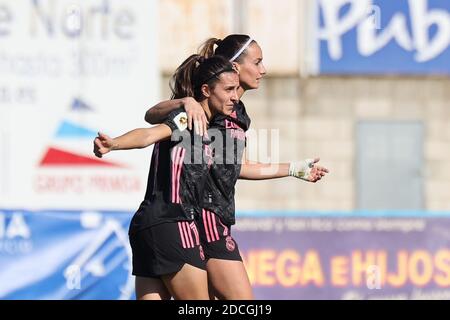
x: 226, y: 271
x: 164, y: 235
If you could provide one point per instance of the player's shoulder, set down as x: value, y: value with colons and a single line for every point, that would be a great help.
x: 239, y: 107
x: 241, y: 115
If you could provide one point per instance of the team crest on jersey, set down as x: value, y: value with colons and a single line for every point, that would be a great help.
x: 230, y: 243
x: 181, y: 121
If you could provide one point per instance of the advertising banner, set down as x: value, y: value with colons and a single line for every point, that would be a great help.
x: 86, y: 255
x: 67, y: 70
x: 382, y: 37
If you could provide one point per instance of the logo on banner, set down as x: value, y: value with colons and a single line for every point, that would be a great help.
x: 15, y: 234
x: 71, y: 131
x: 64, y: 169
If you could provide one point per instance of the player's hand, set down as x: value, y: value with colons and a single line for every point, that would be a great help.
x: 307, y: 170
x: 102, y: 144
x: 196, y: 116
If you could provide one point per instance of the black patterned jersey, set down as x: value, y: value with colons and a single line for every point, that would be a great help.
x: 228, y: 140
x: 178, y: 172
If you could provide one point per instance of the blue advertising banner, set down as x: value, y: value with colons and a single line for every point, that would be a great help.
x: 65, y: 255
x: 86, y: 255
x: 383, y: 37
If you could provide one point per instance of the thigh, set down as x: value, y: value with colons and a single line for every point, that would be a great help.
x: 229, y: 279
x: 151, y: 289
x: 190, y: 283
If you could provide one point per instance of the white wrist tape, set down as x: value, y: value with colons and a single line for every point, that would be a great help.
x: 301, y: 169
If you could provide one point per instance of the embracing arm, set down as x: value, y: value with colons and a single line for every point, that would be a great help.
x: 159, y: 112
x: 194, y: 111
x: 134, y: 139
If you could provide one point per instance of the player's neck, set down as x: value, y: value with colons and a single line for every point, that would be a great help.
x: 208, y: 111
x: 240, y: 92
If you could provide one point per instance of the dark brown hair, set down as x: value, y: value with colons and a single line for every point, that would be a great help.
x: 196, y: 71
x: 227, y: 47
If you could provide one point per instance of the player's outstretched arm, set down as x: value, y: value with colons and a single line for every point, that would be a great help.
x: 307, y: 170
x: 134, y: 139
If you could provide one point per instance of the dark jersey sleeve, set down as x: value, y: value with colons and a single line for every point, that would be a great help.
x: 177, y: 120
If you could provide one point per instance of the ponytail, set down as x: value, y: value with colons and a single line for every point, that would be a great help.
x: 196, y: 71
x: 207, y: 48
x: 181, y: 81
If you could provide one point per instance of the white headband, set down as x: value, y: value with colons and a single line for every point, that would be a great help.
x: 241, y: 50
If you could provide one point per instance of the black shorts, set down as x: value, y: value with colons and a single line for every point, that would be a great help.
x: 216, y: 238
x: 165, y: 248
